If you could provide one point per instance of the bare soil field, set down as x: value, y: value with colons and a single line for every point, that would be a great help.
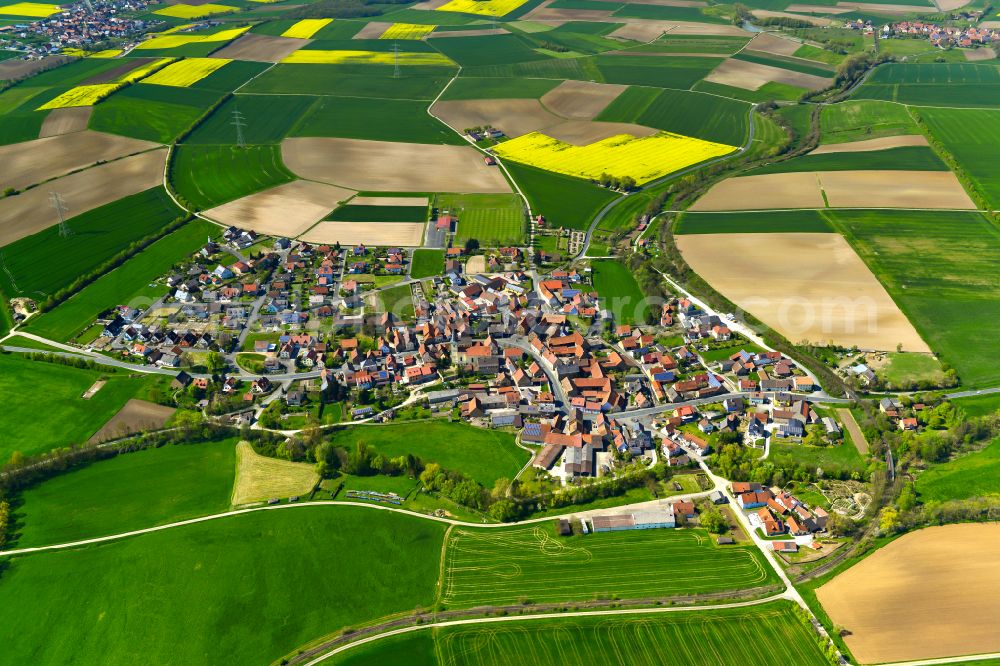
x: 398, y: 234
x: 12, y: 70
x: 390, y: 201
x: 65, y: 121
x: 466, y: 33
x: 581, y: 100
x: 514, y: 116
x: 584, y: 132
x: 928, y: 594
x: 642, y: 32
x: 858, y: 437
x: 867, y: 145
x: 259, y: 478
x: 984, y: 53
x: 372, y: 30
x: 430, y: 4
x: 752, y: 75
x: 30, y: 212
x: 110, y: 75
x: 769, y: 43
x: 286, y: 210
x: 806, y: 286
x: 815, y: 20
x: 817, y: 9
x: 387, y: 166
x: 476, y: 264
x: 260, y: 48
x: 708, y: 29
x: 894, y: 189
x: 31, y: 162
x: 985, y: 24
x: 136, y: 415
x: 784, y: 190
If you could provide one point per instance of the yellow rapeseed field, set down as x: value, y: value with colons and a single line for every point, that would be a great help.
x: 303, y: 56
x: 144, y: 71
x: 82, y: 96
x: 482, y: 7
x: 194, y: 11
x: 31, y: 9
x: 107, y: 53
x: 173, y: 41
x: 306, y: 28
x: 186, y: 72
x: 644, y: 159
x: 407, y: 31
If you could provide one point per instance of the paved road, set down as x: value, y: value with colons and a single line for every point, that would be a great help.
x: 524, y: 346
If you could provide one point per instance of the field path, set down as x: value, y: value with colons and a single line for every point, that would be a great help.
x: 852, y: 427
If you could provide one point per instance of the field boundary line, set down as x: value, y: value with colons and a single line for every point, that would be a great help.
x: 945, y: 660
x: 441, y: 565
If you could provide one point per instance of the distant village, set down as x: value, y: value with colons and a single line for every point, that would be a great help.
x: 943, y: 37
x: 83, y: 25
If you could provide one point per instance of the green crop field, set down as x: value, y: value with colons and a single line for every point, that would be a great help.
x: 667, y: 13
x: 619, y: 292
x: 748, y: 222
x: 363, y: 213
x: 372, y: 81
x: 427, y: 262
x: 487, y: 50
x: 933, y: 84
x: 98, y: 235
x: 551, y: 68
x: 243, y: 590
x: 972, y: 137
x: 150, y: 112
x: 129, y: 492
x: 469, y: 88
x: 32, y: 388
x: 230, y: 77
x: 130, y: 283
x: 940, y: 268
x: 492, y: 219
x: 792, y: 64
x: 512, y: 565
x: 970, y: 475
x: 689, y: 113
x: 565, y: 202
x: 206, y: 176
x: 267, y: 118
x: 376, y: 120
x: 693, y: 44
x: 861, y: 120
x: 912, y: 158
x: 657, y: 71
x: 483, y: 455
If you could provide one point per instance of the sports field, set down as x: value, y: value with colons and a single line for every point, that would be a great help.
x: 483, y: 455
x: 314, y: 570
x: 206, y: 176
x: 513, y: 565
x: 128, y: 492
x: 619, y: 292
x: 492, y: 219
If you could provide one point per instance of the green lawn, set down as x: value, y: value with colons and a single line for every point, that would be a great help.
x: 511, y: 565
x: 905, y: 368
x: 971, y: 475
x: 565, y: 202
x: 397, y: 300
x: 32, y: 388
x: 829, y: 458
x: 206, y: 176
x: 619, y: 292
x: 98, y: 235
x: 492, y: 219
x: 131, y: 491
x: 426, y: 263
x: 127, y: 284
x: 861, y: 120
x: 483, y: 455
x: 771, y: 632
x: 375, y: 120
x: 972, y: 137
x: 245, y: 590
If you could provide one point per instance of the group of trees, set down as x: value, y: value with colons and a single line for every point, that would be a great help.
x: 623, y: 184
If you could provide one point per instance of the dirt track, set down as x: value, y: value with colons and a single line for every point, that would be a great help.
x: 136, y: 415
x: 285, y: 210
x: 929, y: 594
x: 847, y: 418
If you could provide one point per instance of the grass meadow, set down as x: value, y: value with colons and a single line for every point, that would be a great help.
x: 518, y: 564
x: 98, y: 235
x: 375, y: 120
x: 130, y: 283
x: 979, y: 405
x: 682, y: 112
x: 904, y: 368
x: 483, y: 455
x: 970, y: 475
x: 565, y: 202
x: 973, y: 138
x: 246, y: 589
x: 619, y: 292
x: 426, y: 263
x: 749, y: 222
x: 129, y: 492
x: 725, y: 637
x: 32, y: 388
x: 492, y: 219
x: 152, y: 113
x: 940, y: 268
x: 858, y: 120
x: 206, y: 176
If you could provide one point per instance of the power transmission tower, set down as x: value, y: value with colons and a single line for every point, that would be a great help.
x: 395, y: 53
x: 57, y: 202
x: 239, y: 124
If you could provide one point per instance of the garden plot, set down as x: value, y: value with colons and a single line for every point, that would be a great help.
x: 515, y: 117
x: 580, y: 100
x: 285, y: 210
x: 261, y: 48
x: 31, y: 162
x: 939, y: 587
x: 767, y: 42
x: 806, y: 286
x: 894, y: 189
x: 398, y: 234
x: 752, y: 75
x: 386, y: 166
x: 31, y: 211
x: 881, y: 143
x: 66, y: 121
